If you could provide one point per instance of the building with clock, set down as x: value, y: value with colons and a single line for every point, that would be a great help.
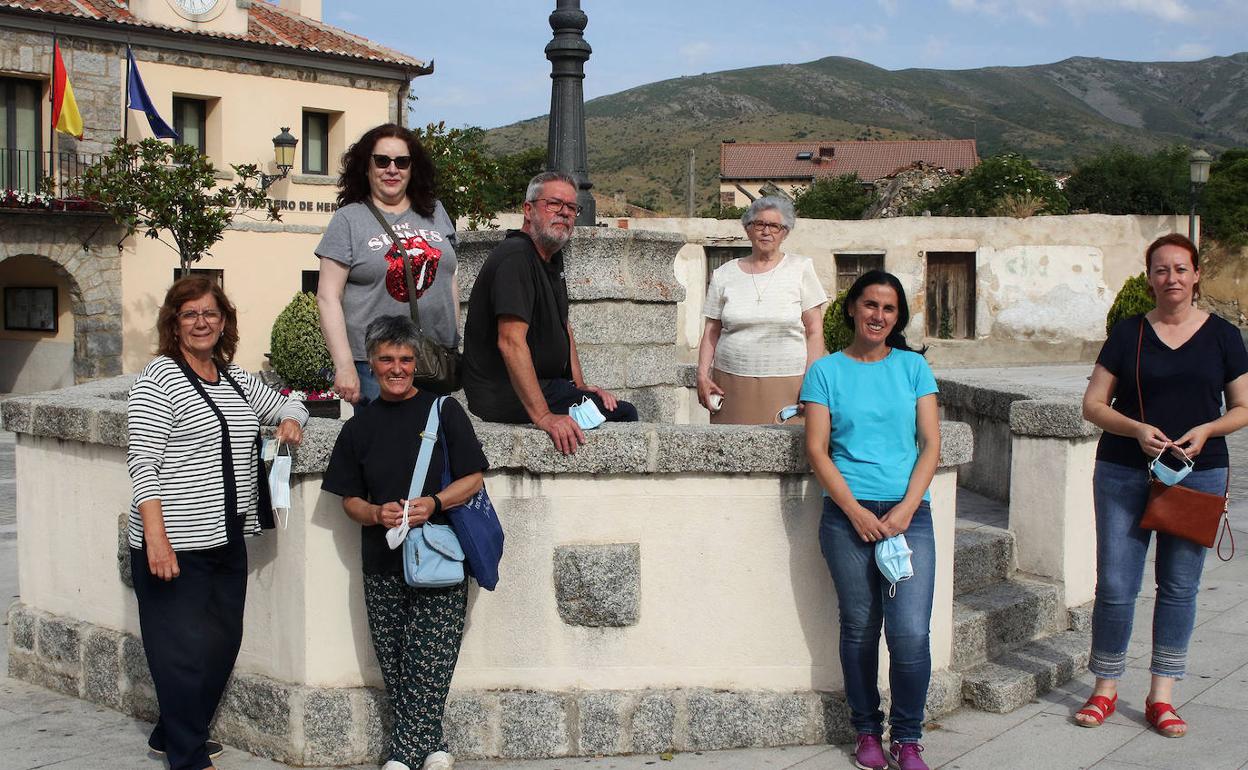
x: 79, y: 297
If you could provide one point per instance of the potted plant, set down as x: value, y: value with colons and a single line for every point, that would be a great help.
x: 298, y: 355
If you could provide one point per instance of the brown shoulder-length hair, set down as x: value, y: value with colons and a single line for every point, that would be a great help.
x: 353, y: 182
x: 187, y: 290
x: 1173, y: 239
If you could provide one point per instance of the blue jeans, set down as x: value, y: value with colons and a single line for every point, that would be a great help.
x: 865, y: 606
x: 370, y: 389
x: 1119, y: 494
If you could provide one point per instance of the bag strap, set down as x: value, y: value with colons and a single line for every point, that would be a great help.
x: 407, y: 263
x: 428, y: 437
x: 1226, y: 530
x: 1139, y: 396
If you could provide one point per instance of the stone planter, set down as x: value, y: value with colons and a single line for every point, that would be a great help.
x: 325, y: 407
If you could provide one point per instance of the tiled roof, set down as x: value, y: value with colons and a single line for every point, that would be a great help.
x: 267, y: 24
x: 869, y: 160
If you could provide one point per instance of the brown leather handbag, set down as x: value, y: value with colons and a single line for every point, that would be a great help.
x: 1180, y: 511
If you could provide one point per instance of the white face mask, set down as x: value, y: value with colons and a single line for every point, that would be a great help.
x: 279, y: 486
x: 395, y: 535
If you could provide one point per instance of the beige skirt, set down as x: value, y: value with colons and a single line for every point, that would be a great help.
x: 755, y: 400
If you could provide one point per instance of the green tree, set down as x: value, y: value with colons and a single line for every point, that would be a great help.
x: 841, y: 197
x: 1224, y: 201
x: 514, y: 172
x: 993, y: 184
x: 836, y: 334
x: 1133, y: 298
x: 170, y: 188
x: 465, y: 177
x: 1120, y: 181
x: 296, y: 348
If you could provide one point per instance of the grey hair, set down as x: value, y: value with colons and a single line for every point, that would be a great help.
x: 774, y: 203
x: 535, y: 184
x: 390, y: 330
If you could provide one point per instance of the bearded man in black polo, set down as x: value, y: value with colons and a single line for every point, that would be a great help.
x: 520, y: 361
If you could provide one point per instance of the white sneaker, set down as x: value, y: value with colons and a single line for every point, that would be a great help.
x: 438, y: 760
x: 395, y: 764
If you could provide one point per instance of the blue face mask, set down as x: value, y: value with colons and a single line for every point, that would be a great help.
x: 892, y: 556
x: 586, y: 414
x: 1167, y: 475
x: 786, y: 413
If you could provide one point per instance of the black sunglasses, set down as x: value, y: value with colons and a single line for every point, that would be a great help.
x: 384, y: 161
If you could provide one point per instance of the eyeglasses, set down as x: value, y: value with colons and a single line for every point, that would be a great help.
x: 190, y: 317
x: 556, y: 206
x: 767, y: 227
x: 383, y: 162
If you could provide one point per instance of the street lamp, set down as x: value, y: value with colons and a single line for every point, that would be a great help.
x: 283, y: 156
x: 1199, y: 162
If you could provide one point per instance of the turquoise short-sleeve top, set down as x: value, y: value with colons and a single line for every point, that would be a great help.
x: 873, y: 406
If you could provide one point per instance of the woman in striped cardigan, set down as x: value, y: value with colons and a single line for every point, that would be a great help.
x: 193, y: 420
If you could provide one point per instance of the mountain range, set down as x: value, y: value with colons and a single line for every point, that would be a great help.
x: 1054, y: 114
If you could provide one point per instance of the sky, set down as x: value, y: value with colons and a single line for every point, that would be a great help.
x: 491, y: 69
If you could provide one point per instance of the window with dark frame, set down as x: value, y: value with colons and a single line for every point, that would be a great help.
x: 315, y: 143
x: 30, y: 308
x: 718, y: 256
x: 216, y: 275
x: 21, y: 133
x: 850, y: 266
x: 190, y: 120
x: 310, y: 281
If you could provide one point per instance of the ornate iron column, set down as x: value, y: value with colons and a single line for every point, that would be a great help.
x: 565, y: 147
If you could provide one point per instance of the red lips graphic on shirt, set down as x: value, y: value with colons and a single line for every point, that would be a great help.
x: 424, y: 260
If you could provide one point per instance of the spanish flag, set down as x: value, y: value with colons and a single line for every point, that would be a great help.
x: 65, y: 117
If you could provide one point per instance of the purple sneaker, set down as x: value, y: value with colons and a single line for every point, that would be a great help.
x: 905, y: 756
x: 870, y: 753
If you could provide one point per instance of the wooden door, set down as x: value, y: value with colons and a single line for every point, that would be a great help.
x: 951, y: 294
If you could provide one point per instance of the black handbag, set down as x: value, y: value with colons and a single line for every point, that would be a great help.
x: 437, y: 367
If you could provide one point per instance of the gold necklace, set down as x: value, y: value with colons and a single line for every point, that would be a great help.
x: 771, y: 275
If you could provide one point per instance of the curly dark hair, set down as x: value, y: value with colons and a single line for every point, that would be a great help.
x: 188, y: 290
x: 353, y: 182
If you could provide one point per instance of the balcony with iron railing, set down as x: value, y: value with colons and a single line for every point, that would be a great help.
x: 36, y: 180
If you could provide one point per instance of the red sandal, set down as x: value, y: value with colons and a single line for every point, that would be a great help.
x: 1099, y: 708
x: 1153, y: 712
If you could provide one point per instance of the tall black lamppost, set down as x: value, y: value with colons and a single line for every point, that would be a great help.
x: 1198, y: 165
x: 565, y: 147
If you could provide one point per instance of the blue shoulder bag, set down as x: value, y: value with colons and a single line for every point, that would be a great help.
x: 432, y: 556
x: 476, y: 525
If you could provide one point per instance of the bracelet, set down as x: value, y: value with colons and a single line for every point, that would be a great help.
x: 437, y: 505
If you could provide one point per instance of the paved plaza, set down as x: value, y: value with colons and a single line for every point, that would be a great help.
x: 43, y: 729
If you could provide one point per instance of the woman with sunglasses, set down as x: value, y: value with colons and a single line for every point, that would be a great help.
x: 764, y: 324
x: 386, y: 174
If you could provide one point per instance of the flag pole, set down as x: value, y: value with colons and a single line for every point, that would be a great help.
x: 52, y: 105
x: 125, y: 106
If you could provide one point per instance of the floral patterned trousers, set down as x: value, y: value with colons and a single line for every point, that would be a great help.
x: 416, y: 634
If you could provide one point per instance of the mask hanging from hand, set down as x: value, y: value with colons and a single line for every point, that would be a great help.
x: 279, y: 485
x: 892, y: 556
x: 1167, y: 475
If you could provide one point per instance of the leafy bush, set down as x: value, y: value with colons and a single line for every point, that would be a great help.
x: 297, y: 349
x: 841, y: 197
x: 989, y: 185
x: 836, y: 335
x: 1120, y: 181
x: 465, y: 177
x: 1133, y: 298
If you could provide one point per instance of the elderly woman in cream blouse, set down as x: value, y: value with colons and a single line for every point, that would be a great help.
x: 764, y: 323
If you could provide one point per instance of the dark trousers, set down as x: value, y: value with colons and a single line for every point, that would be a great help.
x: 416, y: 634
x: 192, y: 627
x: 562, y: 395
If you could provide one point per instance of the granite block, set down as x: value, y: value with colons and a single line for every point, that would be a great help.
x: 654, y: 723
x: 374, y: 708
x: 21, y: 627
x: 466, y: 724
x: 258, y: 703
x: 837, y: 727
x: 327, y: 728
x: 601, y: 723
x: 534, y: 725
x: 59, y: 641
x: 101, y: 667
x: 718, y: 720
x: 598, y: 585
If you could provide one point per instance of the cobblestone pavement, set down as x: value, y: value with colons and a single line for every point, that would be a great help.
x: 43, y: 729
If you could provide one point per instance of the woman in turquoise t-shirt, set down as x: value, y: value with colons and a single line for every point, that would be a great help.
x: 873, y: 440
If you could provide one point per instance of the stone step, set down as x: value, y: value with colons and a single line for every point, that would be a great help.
x: 1002, y: 615
x: 981, y: 556
x: 1016, y: 677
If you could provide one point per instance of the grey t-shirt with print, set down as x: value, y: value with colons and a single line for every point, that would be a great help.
x: 375, y: 285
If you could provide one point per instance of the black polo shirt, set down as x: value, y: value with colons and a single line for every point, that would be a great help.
x: 514, y: 281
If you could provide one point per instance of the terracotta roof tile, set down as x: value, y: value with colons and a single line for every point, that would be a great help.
x: 266, y: 25
x: 870, y: 160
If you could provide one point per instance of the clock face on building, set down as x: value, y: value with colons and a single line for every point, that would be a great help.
x: 197, y: 10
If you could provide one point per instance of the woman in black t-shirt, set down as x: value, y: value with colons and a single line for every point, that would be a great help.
x: 1187, y: 361
x: 416, y: 631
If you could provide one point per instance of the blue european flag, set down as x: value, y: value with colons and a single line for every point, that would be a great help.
x: 137, y: 99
